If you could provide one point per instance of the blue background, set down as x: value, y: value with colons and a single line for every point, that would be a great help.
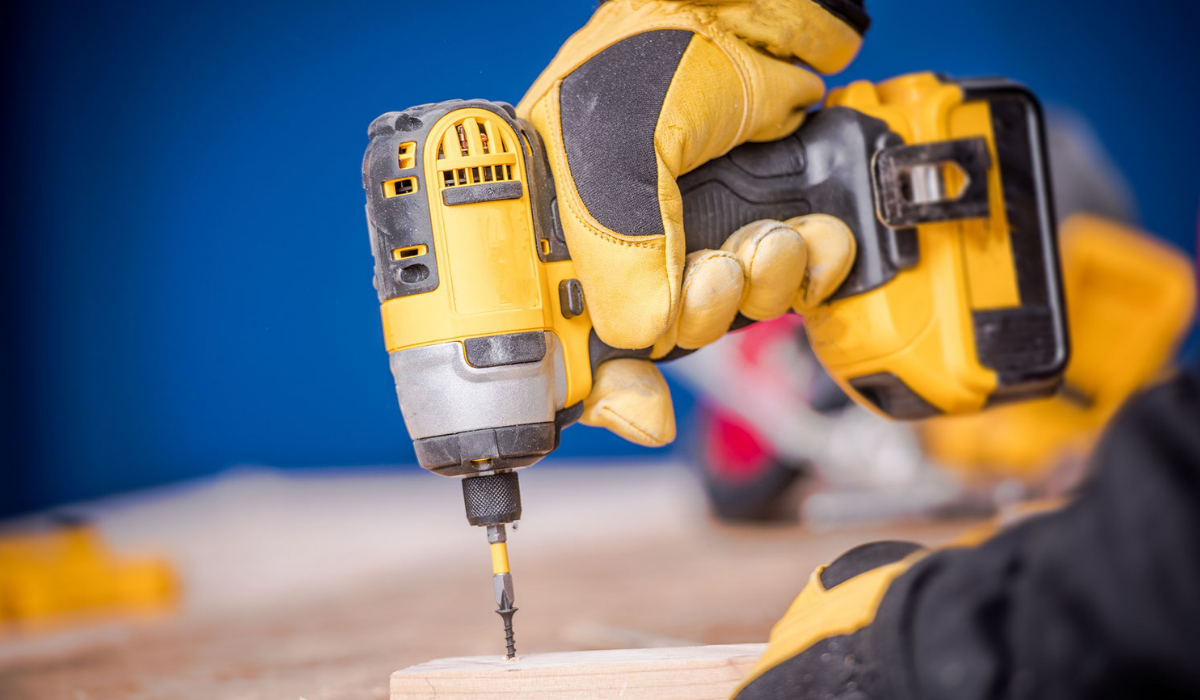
x: 186, y: 272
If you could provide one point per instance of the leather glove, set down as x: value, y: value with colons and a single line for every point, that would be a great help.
x: 647, y: 91
x: 822, y: 647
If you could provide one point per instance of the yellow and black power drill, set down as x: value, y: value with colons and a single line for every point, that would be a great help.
x: 953, y: 302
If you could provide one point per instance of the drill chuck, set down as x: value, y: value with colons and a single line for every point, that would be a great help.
x: 492, y: 499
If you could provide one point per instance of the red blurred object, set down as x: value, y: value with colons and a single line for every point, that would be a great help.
x: 738, y: 452
x: 745, y: 480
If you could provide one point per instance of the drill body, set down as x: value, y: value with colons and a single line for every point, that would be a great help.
x: 954, y: 302
x: 484, y: 322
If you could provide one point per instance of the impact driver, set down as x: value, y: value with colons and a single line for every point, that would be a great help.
x: 953, y: 303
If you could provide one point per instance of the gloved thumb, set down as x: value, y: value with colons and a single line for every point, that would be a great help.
x: 630, y: 398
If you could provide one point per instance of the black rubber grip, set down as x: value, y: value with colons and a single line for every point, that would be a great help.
x: 824, y: 167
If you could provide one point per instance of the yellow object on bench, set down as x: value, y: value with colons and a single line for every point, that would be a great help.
x: 67, y: 571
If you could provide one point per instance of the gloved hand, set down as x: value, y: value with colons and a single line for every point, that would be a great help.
x: 821, y: 647
x: 647, y: 91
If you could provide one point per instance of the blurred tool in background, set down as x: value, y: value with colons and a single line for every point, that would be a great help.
x: 1130, y: 299
x: 61, y: 571
x: 774, y: 437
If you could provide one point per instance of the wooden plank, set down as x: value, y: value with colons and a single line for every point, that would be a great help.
x: 678, y: 673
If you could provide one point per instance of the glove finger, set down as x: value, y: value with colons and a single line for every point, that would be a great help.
x: 791, y: 90
x: 831, y: 250
x: 631, y: 398
x: 773, y: 255
x: 795, y: 29
x: 713, y: 282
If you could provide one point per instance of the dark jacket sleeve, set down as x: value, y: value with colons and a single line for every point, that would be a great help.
x: 1098, y: 599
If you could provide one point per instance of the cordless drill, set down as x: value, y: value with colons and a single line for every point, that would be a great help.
x: 953, y: 302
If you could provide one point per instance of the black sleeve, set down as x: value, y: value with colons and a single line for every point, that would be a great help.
x: 1098, y: 599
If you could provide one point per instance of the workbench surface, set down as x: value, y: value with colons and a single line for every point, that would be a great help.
x: 319, y: 585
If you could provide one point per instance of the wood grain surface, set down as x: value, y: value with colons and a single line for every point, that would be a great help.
x: 674, y: 673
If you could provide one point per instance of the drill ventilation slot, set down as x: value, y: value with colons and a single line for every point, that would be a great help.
x: 397, y: 188
x: 412, y: 251
x: 407, y: 155
x: 475, y: 151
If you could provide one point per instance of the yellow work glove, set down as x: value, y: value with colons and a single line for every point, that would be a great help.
x: 818, y: 648
x: 647, y: 91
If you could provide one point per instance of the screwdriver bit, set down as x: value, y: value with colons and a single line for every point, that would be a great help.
x: 502, y: 584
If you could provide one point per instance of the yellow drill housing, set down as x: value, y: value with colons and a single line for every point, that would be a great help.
x: 482, y: 316
x: 500, y: 273
x: 979, y: 318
